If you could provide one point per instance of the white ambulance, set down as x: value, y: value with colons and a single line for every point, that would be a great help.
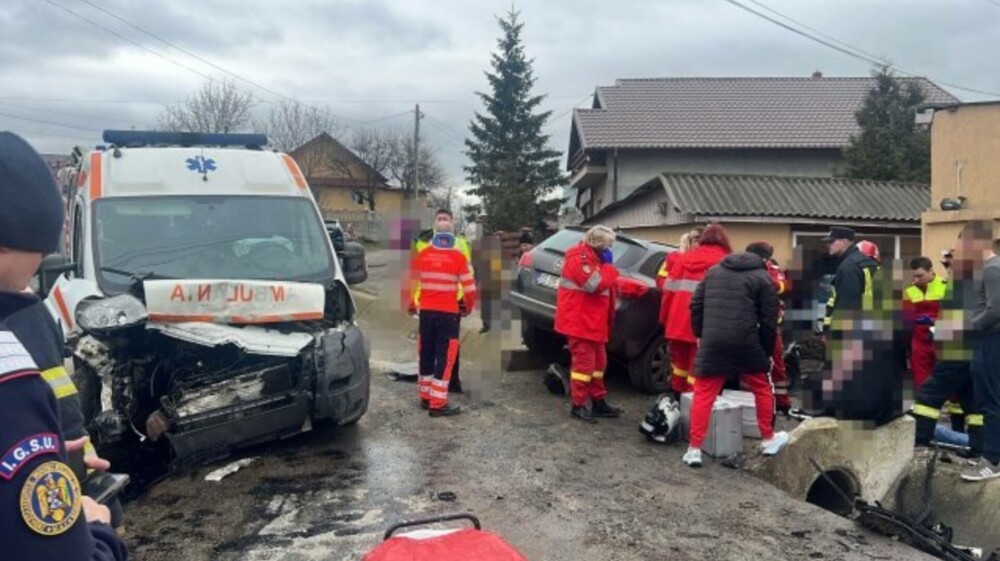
x: 202, y: 298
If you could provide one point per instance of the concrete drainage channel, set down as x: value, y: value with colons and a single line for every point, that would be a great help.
x: 871, y: 476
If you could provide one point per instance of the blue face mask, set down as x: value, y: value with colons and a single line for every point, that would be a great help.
x: 443, y: 240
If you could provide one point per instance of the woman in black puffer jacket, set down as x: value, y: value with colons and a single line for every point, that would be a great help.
x: 734, y: 313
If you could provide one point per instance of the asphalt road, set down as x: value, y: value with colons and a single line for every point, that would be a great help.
x: 555, y: 488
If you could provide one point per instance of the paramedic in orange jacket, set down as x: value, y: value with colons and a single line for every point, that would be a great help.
x: 708, y: 248
x: 779, y: 375
x: 921, y: 307
x: 585, y: 311
x: 442, y: 272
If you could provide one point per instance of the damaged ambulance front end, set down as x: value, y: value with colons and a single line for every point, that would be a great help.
x: 174, y: 357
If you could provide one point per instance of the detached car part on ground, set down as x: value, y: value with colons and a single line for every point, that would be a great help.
x: 202, y: 298
x: 637, y: 339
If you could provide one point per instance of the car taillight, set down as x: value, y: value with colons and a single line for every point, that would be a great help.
x: 630, y: 288
x: 526, y: 261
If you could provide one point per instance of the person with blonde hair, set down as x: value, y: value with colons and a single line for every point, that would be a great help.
x: 585, y: 307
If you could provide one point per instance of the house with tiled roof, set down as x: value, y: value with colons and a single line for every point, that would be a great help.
x: 760, y: 155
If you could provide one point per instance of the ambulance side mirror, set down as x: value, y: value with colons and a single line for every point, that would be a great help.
x: 52, y: 267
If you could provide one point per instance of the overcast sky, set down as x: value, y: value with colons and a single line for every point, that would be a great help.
x: 63, y: 79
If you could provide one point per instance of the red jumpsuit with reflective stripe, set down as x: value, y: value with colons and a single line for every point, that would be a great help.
x: 442, y: 271
x: 779, y: 375
x: 923, y: 302
x: 685, y: 272
x: 585, y: 310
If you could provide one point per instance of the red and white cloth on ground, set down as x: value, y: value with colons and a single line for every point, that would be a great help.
x: 445, y: 545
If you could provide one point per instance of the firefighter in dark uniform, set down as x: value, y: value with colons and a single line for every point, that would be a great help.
x: 43, y: 513
x: 955, y: 342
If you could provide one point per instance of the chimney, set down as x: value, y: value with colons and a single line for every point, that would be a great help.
x: 817, y: 75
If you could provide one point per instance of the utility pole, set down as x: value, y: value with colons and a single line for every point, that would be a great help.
x: 416, y: 153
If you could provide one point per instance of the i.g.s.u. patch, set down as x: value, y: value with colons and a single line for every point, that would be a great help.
x: 23, y: 452
x: 51, y: 500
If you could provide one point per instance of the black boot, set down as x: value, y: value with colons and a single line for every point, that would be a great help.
x: 581, y: 412
x: 602, y: 409
x: 424, y: 404
x: 449, y: 410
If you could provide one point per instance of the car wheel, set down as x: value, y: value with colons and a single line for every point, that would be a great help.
x: 650, y: 371
x: 539, y: 340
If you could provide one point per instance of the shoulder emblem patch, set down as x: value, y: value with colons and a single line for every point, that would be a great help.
x: 586, y: 268
x: 51, y: 499
x: 22, y: 453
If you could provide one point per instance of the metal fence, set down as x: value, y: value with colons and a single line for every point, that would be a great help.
x: 374, y: 226
x: 364, y: 225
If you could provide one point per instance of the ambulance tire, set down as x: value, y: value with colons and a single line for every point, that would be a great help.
x: 650, y: 371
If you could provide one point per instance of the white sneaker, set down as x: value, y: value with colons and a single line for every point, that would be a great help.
x: 775, y: 444
x: 693, y: 457
x: 981, y: 472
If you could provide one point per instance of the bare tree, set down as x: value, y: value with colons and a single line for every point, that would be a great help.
x: 290, y: 124
x: 444, y: 196
x: 405, y: 161
x: 220, y: 106
x: 374, y: 150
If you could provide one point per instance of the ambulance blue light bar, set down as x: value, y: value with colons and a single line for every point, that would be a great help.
x: 163, y: 138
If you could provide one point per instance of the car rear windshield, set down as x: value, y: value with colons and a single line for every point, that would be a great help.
x: 626, y: 253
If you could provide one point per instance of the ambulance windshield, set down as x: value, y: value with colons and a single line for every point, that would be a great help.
x: 209, y: 237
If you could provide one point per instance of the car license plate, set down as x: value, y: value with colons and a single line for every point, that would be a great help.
x: 547, y: 280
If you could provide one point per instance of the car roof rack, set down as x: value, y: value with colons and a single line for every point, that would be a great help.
x: 134, y: 139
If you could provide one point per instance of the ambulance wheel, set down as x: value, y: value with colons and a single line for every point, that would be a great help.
x: 650, y: 371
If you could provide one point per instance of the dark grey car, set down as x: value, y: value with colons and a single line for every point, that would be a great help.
x: 637, y: 339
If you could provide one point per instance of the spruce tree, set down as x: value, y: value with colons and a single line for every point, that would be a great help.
x: 890, y: 146
x: 512, y: 165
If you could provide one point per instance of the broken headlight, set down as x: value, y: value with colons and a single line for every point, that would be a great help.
x: 117, y: 312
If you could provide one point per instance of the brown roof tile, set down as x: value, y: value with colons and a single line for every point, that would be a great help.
x: 730, y: 112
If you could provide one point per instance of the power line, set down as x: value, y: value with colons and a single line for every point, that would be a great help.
x: 557, y: 118
x: 44, y: 122
x: 818, y: 32
x: 849, y: 50
x: 445, y: 127
x: 994, y: 2
x: 62, y: 114
x: 126, y: 39
x: 183, y: 50
x: 806, y: 35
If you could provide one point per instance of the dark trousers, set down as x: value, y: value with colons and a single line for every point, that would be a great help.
x: 986, y: 386
x: 949, y: 378
x: 438, y: 345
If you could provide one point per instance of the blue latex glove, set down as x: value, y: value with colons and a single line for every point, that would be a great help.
x: 925, y: 320
x: 607, y: 256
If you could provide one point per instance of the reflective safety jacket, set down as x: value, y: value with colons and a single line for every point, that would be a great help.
x: 443, y: 273
x: 781, y: 285
x: 923, y: 301
x: 423, y: 241
x: 663, y: 275
x: 853, y: 287
x: 40, y: 495
x: 585, y: 300
x: 686, y: 273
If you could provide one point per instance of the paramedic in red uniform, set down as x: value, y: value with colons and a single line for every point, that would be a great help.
x: 708, y: 248
x: 921, y: 307
x: 779, y: 375
x: 441, y: 271
x: 585, y: 311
